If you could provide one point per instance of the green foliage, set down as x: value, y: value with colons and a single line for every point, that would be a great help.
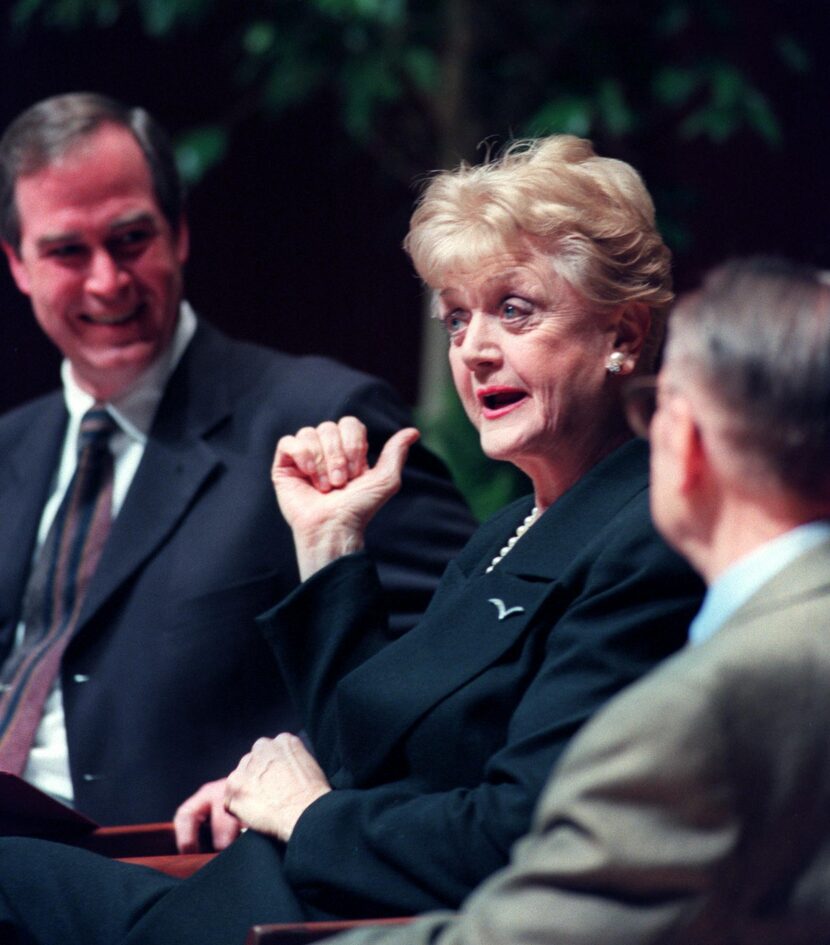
x: 200, y: 149
x: 420, y: 84
x: 733, y: 102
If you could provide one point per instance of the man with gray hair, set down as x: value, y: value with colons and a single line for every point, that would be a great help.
x: 131, y: 668
x: 695, y: 808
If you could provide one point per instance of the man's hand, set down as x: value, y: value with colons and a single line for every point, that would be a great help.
x: 207, y: 805
x: 273, y: 784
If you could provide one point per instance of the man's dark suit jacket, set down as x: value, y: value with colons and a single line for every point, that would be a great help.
x: 693, y: 810
x: 167, y: 680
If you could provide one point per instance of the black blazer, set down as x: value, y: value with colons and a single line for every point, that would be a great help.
x: 438, y: 742
x: 167, y: 680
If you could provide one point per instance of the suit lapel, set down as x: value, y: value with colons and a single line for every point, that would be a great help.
x: 26, y: 473
x: 476, y: 617
x: 177, y: 463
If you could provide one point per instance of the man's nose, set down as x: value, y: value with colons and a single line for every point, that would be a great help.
x: 105, y: 276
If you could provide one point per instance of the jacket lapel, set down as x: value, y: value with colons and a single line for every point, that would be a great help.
x: 26, y: 472
x: 577, y: 517
x: 468, y: 628
x: 177, y: 462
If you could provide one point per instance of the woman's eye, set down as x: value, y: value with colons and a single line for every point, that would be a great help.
x: 453, y: 323
x: 512, y: 309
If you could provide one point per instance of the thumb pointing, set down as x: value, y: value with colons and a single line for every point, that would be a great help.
x: 394, y: 453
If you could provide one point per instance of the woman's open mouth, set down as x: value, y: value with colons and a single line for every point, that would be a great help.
x: 497, y: 401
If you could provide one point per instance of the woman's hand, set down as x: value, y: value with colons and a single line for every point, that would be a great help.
x: 207, y: 805
x: 326, y: 491
x: 273, y: 784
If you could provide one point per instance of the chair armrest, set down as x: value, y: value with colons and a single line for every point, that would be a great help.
x: 131, y: 841
x: 299, y: 933
x: 181, y: 865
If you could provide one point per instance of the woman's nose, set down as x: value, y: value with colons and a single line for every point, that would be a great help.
x: 480, y: 342
x: 105, y: 276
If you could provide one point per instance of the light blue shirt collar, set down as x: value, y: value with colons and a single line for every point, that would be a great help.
x: 739, y: 582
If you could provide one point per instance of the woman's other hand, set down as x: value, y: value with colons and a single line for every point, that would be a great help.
x: 273, y: 784
x: 326, y: 490
x: 206, y: 806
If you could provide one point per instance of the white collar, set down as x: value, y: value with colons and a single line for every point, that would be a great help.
x: 135, y: 409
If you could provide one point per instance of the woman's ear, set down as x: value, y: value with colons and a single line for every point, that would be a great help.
x: 630, y: 332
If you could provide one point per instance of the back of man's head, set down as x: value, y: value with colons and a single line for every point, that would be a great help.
x: 757, y: 337
x: 49, y: 129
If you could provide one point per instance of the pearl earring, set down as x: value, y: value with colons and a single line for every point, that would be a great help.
x: 615, y: 362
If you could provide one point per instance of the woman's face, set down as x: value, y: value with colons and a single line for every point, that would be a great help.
x: 528, y: 357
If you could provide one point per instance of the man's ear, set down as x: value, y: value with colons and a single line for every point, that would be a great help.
x: 630, y: 332
x: 17, y: 267
x: 692, y: 453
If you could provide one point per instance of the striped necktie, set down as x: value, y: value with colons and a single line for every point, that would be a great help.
x: 55, y: 590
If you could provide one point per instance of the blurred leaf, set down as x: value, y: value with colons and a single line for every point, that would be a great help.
x: 23, y: 11
x: 162, y: 17
x: 200, y: 149
x: 674, y: 19
x: 69, y: 14
x: 421, y: 65
x: 674, y: 86
x: 735, y: 103
x: 568, y: 114
x: 368, y: 82
x: 295, y: 72
x: 384, y: 11
x: 613, y: 109
x: 258, y: 38
x: 761, y: 117
x: 794, y: 54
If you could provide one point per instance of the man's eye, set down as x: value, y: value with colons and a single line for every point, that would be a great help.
x: 66, y: 251
x: 131, y: 239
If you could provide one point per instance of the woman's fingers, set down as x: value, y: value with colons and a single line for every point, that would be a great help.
x: 355, y: 444
x: 329, y: 455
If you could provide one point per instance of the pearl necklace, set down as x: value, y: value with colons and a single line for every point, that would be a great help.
x: 529, y: 520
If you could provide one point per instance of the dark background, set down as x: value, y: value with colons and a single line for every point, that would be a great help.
x: 296, y: 233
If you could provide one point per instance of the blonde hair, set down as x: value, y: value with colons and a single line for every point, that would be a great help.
x: 592, y: 214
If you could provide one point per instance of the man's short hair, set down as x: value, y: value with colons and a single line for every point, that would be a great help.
x: 52, y: 127
x: 757, y: 334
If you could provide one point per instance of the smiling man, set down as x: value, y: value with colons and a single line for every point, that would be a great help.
x: 159, y: 680
x: 99, y: 260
